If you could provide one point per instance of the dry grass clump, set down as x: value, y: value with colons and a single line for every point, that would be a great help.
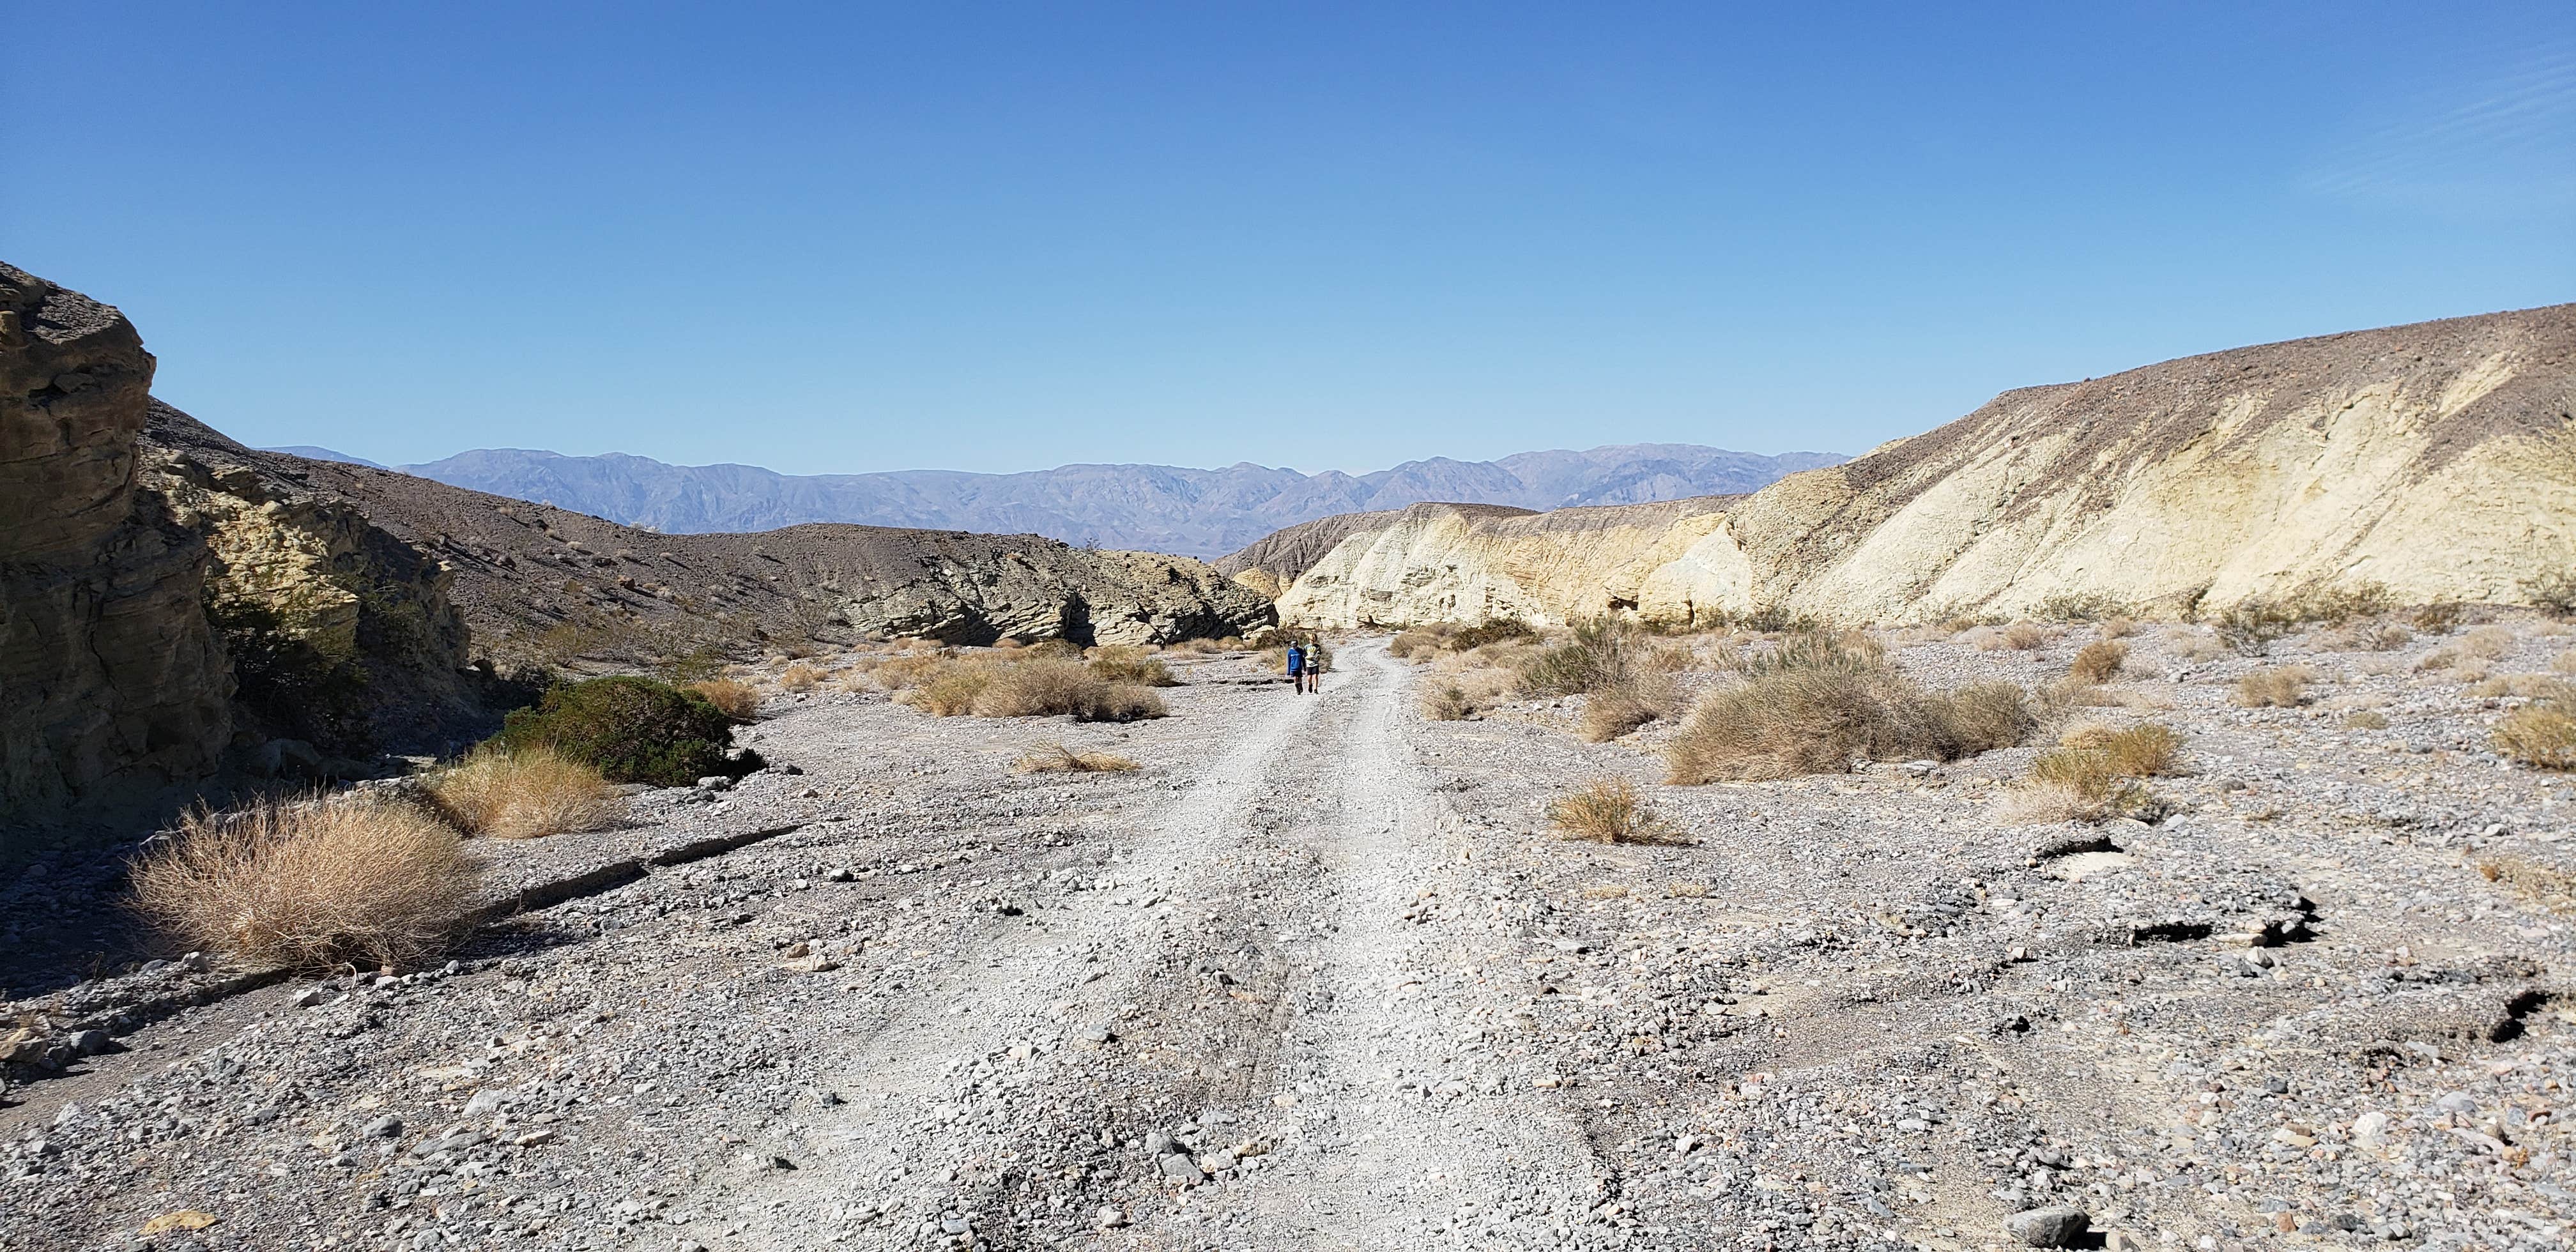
x: 2098, y: 661
x: 1055, y: 758
x: 2092, y: 775
x: 2488, y: 643
x: 2365, y: 719
x: 2440, y: 619
x: 2280, y: 687
x: 1608, y: 811
x: 1643, y: 698
x: 1048, y: 688
x: 1464, y: 693
x: 2543, y: 886
x: 2146, y: 750
x: 947, y: 690
x: 799, y: 677
x: 316, y: 885
x: 899, y: 673
x: 1598, y: 655
x: 1824, y: 706
x: 2365, y: 636
x: 1204, y: 646
x: 527, y: 794
x: 2528, y: 686
x: 2541, y: 735
x: 2018, y: 637
x: 2118, y: 628
x: 2183, y: 643
x: 1126, y: 663
x: 737, y: 700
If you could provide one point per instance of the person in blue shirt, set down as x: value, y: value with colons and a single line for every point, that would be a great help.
x: 1297, y: 666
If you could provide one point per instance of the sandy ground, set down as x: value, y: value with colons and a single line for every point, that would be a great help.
x: 1317, y: 976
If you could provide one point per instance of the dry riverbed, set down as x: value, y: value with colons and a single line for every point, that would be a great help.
x: 1317, y: 976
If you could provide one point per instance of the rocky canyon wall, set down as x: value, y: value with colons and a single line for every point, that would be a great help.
x: 2435, y: 459
x: 113, y: 688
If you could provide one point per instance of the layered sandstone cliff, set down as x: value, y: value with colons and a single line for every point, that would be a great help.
x: 112, y: 686
x: 2435, y: 459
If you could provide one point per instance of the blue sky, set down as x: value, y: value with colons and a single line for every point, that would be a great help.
x: 862, y: 237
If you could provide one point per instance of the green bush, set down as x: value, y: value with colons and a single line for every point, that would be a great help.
x: 1604, y: 653
x: 1491, y: 630
x: 631, y: 729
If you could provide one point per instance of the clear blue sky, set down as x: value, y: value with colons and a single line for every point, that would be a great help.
x: 854, y: 237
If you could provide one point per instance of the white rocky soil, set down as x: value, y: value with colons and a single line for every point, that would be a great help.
x: 1318, y: 977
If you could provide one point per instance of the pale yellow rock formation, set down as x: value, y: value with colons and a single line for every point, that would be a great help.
x: 2435, y: 459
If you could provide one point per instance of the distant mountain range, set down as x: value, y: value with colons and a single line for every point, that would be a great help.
x: 1155, y: 508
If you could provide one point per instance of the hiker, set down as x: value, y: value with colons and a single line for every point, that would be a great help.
x: 1315, y: 670
x: 1296, y: 666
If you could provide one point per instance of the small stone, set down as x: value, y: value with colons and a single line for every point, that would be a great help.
x: 715, y: 782
x: 89, y: 1042
x: 386, y: 1127
x: 1108, y: 1218
x: 485, y: 1101
x: 1183, y: 1168
x: 314, y: 997
x: 535, y: 1138
x: 2056, y: 1226
x: 1100, y: 1034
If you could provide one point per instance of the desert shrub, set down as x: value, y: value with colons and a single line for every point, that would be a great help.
x: 1204, y: 646
x: 316, y: 885
x: 2281, y: 687
x: 2118, y: 628
x: 1813, y: 650
x: 1814, y: 720
x: 1052, y: 650
x: 737, y: 700
x: 2250, y: 626
x: 1417, y: 641
x: 2366, y: 719
x: 1055, y: 758
x: 2529, y: 686
x: 2024, y: 637
x: 799, y: 677
x: 2336, y: 605
x: 2098, y: 661
x: 523, y: 795
x: 2563, y: 663
x: 1122, y: 702
x: 2182, y: 643
x: 701, y: 662
x: 1614, y: 711
x: 948, y: 691
x: 1601, y: 654
x: 630, y: 729
x: 2488, y: 643
x: 1608, y: 811
x: 2092, y: 775
x: 2541, y: 735
x: 1050, y: 688
x: 2440, y: 619
x: 898, y: 673
x: 2070, y: 606
x: 1119, y: 663
x: 2553, y: 592
x: 2365, y: 636
x: 2146, y: 750
x: 1446, y: 702
x: 1490, y: 630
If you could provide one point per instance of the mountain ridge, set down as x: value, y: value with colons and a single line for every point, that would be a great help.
x: 1139, y: 507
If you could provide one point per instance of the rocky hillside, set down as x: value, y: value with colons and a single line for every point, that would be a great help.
x: 1160, y: 508
x: 2435, y: 459
x: 178, y: 610
x: 543, y: 584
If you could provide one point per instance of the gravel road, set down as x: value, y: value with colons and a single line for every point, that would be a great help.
x: 1317, y: 977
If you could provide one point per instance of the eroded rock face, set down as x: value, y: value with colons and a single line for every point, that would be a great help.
x: 2436, y: 460
x: 112, y: 685
x: 340, y: 635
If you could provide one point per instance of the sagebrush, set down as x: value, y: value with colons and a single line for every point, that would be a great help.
x: 311, y: 885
